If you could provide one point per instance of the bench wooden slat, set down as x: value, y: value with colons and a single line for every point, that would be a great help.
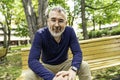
x: 102, y: 59
x: 101, y: 47
x: 24, y: 54
x: 100, y: 67
x: 105, y: 62
x: 100, y: 39
x: 97, y: 52
x: 24, y: 67
x: 96, y: 43
x: 102, y: 64
x: 97, y: 56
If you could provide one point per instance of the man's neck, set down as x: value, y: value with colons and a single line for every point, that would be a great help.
x: 57, y: 39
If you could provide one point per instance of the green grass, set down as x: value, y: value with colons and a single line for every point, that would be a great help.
x: 11, y: 68
x: 19, y: 47
x: 106, y: 74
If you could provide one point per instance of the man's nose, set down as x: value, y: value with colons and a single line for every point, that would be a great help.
x: 56, y: 23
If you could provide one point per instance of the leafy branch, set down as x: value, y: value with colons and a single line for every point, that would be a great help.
x: 101, y: 7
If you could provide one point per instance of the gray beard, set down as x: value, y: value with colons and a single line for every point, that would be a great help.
x: 56, y: 34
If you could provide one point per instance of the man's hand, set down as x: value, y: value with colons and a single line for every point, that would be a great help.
x: 72, y: 75
x: 62, y: 75
x: 58, y: 78
x: 65, y: 75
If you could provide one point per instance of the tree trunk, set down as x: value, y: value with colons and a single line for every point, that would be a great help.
x: 5, y: 36
x: 85, y: 35
x: 100, y: 23
x: 93, y: 24
x: 31, y: 17
x: 9, y: 37
x: 42, y: 5
x: 5, y: 42
x: 34, y: 22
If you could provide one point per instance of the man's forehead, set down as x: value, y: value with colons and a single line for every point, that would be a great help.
x: 55, y: 11
x: 57, y: 14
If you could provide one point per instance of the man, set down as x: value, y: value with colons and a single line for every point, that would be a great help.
x: 48, y: 58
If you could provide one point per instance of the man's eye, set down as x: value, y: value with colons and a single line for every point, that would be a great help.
x: 61, y: 21
x: 53, y: 20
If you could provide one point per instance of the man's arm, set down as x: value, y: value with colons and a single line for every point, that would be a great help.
x: 34, y: 57
x: 76, y: 51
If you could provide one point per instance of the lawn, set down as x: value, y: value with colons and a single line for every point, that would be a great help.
x: 11, y: 69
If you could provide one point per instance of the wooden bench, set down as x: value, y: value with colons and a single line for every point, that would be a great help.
x: 99, y: 53
x: 2, y: 54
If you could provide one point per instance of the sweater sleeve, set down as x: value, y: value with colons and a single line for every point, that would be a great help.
x: 34, y: 57
x: 76, y: 51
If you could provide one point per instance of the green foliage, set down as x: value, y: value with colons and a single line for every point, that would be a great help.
x: 107, y: 74
x: 116, y: 31
x: 22, y: 31
x: 13, y: 12
x: 103, y: 11
x: 57, y: 2
x: 104, y: 32
x: 99, y: 33
x: 94, y: 34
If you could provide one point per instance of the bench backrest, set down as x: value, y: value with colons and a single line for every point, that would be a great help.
x: 100, y: 47
x: 24, y: 54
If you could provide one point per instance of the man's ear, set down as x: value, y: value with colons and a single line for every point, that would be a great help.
x: 66, y: 22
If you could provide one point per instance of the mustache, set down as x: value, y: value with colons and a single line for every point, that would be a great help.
x: 56, y: 28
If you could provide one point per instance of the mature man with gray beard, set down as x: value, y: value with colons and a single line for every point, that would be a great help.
x: 48, y: 58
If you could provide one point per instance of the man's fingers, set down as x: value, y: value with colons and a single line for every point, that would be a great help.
x: 59, y: 73
x: 65, y: 77
x: 59, y: 78
x: 70, y: 78
x: 63, y: 73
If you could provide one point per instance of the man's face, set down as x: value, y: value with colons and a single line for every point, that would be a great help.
x: 56, y: 23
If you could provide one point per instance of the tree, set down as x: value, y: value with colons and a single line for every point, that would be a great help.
x: 35, y: 20
x: 99, y: 11
x: 7, y: 12
x: 20, y: 21
x: 103, y: 12
x: 80, y: 12
x: 83, y: 19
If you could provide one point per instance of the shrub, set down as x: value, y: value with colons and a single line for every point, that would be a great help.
x: 94, y: 34
x: 105, y: 32
x: 115, y: 31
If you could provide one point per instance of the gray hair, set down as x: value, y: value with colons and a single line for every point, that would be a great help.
x: 55, y: 8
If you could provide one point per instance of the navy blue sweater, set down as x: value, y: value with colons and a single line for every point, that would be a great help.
x: 45, y: 47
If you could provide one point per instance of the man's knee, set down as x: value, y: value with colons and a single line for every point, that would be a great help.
x: 84, y: 71
x: 84, y: 65
x: 28, y: 75
x: 84, y: 68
